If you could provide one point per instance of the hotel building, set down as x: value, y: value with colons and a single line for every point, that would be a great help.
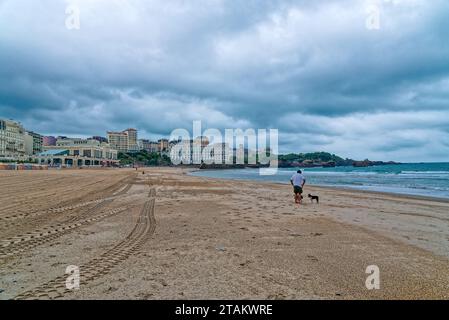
x: 132, y: 140
x: 12, y: 140
x: 124, y: 141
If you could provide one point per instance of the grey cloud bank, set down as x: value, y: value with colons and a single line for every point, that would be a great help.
x: 312, y: 70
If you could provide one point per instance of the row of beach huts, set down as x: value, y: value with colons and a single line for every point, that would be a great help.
x: 19, y: 166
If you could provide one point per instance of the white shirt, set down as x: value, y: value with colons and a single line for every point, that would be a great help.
x: 298, y: 179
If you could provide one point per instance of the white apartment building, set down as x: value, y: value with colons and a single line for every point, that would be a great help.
x: 12, y: 140
x: 198, y: 151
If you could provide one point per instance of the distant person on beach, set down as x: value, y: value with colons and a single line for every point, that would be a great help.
x: 298, y: 181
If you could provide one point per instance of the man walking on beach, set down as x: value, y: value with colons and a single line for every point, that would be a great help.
x: 298, y: 181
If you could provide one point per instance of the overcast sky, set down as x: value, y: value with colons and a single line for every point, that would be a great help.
x: 324, y: 73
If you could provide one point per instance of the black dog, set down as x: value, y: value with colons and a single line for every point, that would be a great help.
x: 314, y: 198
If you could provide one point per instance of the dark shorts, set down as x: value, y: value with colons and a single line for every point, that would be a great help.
x: 297, y: 189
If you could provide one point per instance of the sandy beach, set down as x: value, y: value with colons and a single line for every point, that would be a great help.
x: 167, y: 235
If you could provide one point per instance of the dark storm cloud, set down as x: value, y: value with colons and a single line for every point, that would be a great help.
x: 309, y: 68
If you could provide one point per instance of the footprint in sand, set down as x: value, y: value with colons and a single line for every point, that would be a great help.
x: 295, y: 235
x: 316, y: 234
x: 144, y: 295
x: 110, y: 289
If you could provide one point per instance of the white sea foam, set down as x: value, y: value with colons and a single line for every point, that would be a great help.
x: 414, y: 179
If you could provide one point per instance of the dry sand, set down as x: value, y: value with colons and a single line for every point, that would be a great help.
x: 166, y: 235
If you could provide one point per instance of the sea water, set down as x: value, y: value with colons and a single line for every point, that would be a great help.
x: 425, y: 179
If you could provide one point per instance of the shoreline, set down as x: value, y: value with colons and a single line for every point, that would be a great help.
x: 336, y: 188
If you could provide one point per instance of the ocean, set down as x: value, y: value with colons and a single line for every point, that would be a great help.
x: 424, y: 179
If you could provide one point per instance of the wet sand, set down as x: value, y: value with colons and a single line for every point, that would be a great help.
x: 167, y: 235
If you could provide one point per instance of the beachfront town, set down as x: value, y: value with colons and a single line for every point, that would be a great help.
x: 17, y: 144
x: 121, y: 148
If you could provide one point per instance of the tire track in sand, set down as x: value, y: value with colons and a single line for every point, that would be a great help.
x: 36, y: 217
x: 98, y: 267
x: 21, y: 243
x: 115, y: 190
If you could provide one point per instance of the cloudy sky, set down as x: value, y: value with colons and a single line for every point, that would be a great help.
x: 354, y: 77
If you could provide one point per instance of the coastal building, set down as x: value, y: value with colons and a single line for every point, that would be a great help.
x: 218, y: 153
x: 49, y: 141
x: 140, y: 144
x: 198, y: 145
x: 132, y: 140
x: 12, y: 140
x: 149, y: 146
x: 101, y: 139
x: 118, y: 141
x: 124, y: 141
x: 28, y: 140
x: 204, y: 141
x: 163, y: 145
x: 38, y: 141
x: 199, y: 151
x: 173, y: 143
x: 76, y: 152
x: 182, y: 152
